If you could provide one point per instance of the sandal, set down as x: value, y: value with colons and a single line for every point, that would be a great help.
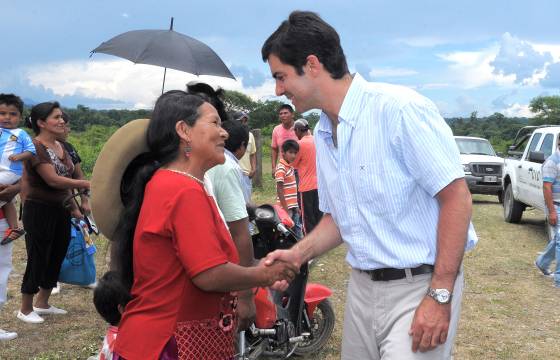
x: 11, y: 235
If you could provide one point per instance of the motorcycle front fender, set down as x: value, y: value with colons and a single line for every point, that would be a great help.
x: 314, y: 294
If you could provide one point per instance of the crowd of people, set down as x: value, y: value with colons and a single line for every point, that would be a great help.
x: 381, y: 173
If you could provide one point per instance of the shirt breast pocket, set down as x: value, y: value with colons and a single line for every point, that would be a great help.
x: 380, y: 188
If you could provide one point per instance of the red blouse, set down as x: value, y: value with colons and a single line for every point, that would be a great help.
x: 179, y: 234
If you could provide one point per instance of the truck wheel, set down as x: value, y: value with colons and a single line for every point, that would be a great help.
x: 513, y: 209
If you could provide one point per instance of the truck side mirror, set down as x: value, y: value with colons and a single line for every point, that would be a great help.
x: 536, y: 156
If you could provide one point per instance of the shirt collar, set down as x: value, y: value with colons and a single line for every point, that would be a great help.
x: 231, y: 156
x: 348, y: 111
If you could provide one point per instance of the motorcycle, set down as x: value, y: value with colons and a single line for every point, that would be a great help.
x: 297, y: 321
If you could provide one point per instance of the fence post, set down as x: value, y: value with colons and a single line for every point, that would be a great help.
x: 257, y: 178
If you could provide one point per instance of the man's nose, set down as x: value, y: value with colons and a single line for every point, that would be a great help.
x: 279, y: 89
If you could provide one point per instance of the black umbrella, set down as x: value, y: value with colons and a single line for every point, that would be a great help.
x: 166, y: 48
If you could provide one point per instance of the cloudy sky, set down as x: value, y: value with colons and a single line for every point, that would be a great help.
x: 485, y: 56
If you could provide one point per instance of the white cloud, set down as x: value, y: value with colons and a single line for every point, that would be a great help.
x: 518, y: 110
x: 520, y: 58
x: 472, y: 69
x: 391, y: 72
x: 121, y: 80
x: 125, y: 15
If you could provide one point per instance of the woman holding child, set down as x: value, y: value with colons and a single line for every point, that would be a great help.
x: 172, y: 246
x: 46, y: 182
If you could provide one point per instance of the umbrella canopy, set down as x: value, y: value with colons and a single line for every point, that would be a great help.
x: 166, y: 48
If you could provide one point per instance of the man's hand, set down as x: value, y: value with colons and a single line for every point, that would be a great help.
x: 86, y: 208
x: 76, y: 213
x: 246, y: 310
x: 252, y: 173
x: 430, y: 325
x: 552, y: 218
x: 291, y: 256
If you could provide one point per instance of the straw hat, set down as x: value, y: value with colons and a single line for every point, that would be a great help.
x: 122, y: 147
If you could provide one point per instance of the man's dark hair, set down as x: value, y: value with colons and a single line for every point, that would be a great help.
x: 290, y: 144
x: 287, y: 107
x: 238, y: 135
x: 11, y: 99
x: 304, y: 34
x: 108, y: 295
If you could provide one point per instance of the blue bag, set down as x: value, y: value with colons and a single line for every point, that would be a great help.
x: 78, y: 266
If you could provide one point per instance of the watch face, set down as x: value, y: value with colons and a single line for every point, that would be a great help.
x: 442, y: 296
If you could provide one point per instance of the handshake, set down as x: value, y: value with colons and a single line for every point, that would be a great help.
x: 279, y: 268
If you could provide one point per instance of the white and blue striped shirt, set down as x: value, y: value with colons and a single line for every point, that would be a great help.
x: 395, y: 153
x: 14, y: 141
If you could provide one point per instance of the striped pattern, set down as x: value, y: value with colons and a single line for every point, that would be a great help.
x: 14, y: 141
x: 551, y: 174
x: 285, y: 174
x: 395, y: 153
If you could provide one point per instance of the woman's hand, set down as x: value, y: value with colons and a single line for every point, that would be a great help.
x: 83, y: 184
x: 76, y: 213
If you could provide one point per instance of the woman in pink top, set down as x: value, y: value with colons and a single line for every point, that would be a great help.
x: 282, y: 132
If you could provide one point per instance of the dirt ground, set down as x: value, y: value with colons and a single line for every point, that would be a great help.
x: 508, y: 308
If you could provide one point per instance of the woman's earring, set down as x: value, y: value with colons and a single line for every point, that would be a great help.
x: 188, y: 150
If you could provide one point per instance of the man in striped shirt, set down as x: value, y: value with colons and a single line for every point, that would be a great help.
x: 286, y: 185
x: 391, y: 187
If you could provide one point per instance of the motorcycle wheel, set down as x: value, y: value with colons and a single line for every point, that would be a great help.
x: 322, y: 326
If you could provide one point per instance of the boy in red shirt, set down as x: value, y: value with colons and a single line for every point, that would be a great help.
x: 286, y: 185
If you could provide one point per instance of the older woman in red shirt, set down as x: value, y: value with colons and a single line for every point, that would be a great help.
x: 173, y: 247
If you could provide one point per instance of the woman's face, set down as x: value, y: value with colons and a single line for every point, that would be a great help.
x: 207, y: 137
x: 53, y: 124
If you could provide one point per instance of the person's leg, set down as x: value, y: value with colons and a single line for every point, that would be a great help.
x: 294, y: 214
x: 359, y: 340
x: 5, y: 264
x: 38, y: 224
x: 546, y: 257
x: 60, y: 239
x: 402, y: 298
x: 11, y: 215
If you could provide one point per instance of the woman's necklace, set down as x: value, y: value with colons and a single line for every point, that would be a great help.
x: 187, y: 175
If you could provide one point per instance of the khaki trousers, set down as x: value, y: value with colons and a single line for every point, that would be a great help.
x: 378, y: 316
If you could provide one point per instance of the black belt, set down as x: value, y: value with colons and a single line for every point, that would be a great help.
x: 556, y: 203
x: 388, y: 274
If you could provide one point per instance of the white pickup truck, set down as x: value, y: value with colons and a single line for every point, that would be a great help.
x: 481, y: 164
x: 522, y: 176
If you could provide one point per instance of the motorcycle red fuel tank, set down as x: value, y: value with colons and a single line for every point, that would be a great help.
x: 314, y: 294
x: 266, y: 310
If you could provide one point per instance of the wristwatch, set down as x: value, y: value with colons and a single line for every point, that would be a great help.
x: 441, y: 296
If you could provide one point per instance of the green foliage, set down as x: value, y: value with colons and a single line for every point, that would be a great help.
x: 547, y: 110
x: 89, y: 144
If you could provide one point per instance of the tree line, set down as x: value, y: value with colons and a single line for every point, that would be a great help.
x: 91, y: 128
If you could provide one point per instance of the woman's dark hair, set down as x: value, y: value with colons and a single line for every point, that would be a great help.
x: 108, y: 295
x: 304, y: 34
x: 163, y: 144
x: 40, y: 112
x: 214, y: 97
x: 238, y: 134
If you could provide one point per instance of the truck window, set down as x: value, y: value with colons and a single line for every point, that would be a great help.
x: 533, y: 144
x: 546, y: 146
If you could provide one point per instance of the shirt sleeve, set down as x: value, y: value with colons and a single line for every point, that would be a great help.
x: 252, y: 146
x: 274, y: 143
x: 280, y: 173
x: 27, y: 143
x: 41, y: 156
x: 550, y: 170
x: 229, y: 195
x: 427, y: 147
x: 195, y: 233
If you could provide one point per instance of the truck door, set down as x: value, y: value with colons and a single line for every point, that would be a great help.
x: 525, y: 170
x: 535, y: 182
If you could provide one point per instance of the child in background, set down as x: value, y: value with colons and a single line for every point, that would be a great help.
x: 15, y: 147
x: 110, y: 298
x: 286, y: 186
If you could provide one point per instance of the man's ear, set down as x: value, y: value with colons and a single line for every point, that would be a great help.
x: 313, y: 65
